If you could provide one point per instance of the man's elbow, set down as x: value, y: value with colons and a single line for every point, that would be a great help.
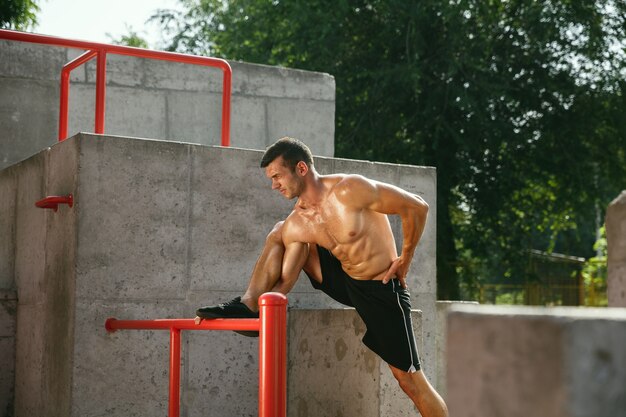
x: 422, y: 205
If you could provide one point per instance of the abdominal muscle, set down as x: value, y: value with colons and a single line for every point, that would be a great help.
x: 367, y: 255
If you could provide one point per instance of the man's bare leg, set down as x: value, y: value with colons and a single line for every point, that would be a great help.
x: 267, y: 270
x: 416, y: 386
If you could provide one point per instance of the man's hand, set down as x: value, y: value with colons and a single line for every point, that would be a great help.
x: 399, y: 269
x: 198, y: 320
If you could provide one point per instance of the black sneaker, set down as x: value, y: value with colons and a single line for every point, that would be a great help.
x: 233, y: 309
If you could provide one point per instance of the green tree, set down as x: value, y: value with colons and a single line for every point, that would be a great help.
x: 18, y: 14
x: 519, y: 104
x: 131, y: 38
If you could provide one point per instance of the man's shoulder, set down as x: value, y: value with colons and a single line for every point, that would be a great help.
x: 347, y: 185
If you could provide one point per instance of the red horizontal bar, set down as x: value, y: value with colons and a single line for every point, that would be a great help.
x: 117, y: 49
x: 113, y: 324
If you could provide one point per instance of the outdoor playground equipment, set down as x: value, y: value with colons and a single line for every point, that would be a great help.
x: 100, y: 51
x: 272, y: 328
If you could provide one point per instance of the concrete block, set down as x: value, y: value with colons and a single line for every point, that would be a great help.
x: 30, y: 349
x: 23, y: 60
x: 123, y: 254
x: 331, y: 372
x: 152, y: 98
x: 443, y: 307
x: 289, y: 117
x: 165, y: 75
x: 249, y: 128
x: 157, y: 230
x: 199, y: 116
x: 8, y: 317
x: 616, y: 239
x: 129, y: 112
x: 268, y: 81
x: 220, y: 368
x: 124, y: 71
x: 8, y: 196
x: 30, y: 226
x: 125, y: 373
x: 520, y: 361
x: 234, y: 209
x: 29, y: 122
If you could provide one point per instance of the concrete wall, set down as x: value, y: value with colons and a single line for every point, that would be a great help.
x: 158, y: 229
x: 331, y: 373
x: 158, y: 99
x: 616, y: 239
x: 540, y: 362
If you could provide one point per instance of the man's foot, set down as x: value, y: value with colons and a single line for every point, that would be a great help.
x: 233, y: 309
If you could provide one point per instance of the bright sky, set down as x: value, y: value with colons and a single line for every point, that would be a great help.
x: 91, y: 20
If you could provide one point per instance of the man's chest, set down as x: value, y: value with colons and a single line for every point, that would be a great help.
x: 334, y: 225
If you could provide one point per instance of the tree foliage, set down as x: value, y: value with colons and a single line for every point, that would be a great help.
x: 131, y: 38
x: 18, y: 14
x: 518, y: 103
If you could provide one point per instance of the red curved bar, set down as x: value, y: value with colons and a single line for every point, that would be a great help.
x: 53, y: 201
x: 101, y: 49
x: 65, y: 89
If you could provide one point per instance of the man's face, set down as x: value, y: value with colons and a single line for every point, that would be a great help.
x: 286, y: 181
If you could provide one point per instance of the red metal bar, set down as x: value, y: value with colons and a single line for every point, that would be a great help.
x: 101, y: 82
x: 141, y: 53
x: 273, y: 355
x: 174, y: 406
x: 272, y: 328
x: 53, y: 201
x: 65, y: 89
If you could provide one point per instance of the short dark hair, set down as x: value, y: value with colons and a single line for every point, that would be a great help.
x: 292, y: 150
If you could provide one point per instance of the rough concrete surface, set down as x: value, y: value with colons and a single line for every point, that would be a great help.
x: 331, y: 372
x: 542, y: 362
x: 158, y: 99
x: 616, y: 239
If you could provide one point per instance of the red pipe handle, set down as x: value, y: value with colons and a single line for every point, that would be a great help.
x: 53, y: 201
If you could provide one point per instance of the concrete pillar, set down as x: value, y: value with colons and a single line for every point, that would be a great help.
x: 616, y: 239
x: 540, y: 362
x: 443, y: 307
x: 331, y: 372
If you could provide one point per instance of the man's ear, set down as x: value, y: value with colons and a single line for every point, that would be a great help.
x: 302, y: 168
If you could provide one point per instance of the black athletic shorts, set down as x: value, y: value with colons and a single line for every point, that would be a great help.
x: 384, y: 308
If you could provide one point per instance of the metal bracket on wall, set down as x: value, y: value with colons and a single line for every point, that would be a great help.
x: 53, y: 201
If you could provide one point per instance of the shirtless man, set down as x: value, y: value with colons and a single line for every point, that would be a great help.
x: 339, y: 234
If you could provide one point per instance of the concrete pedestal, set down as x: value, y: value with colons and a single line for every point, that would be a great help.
x: 540, y: 362
x: 616, y: 239
x: 331, y: 372
x: 157, y: 229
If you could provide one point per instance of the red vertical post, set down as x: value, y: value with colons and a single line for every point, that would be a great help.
x: 64, y: 95
x: 101, y: 79
x: 174, y: 405
x: 226, y: 93
x: 65, y: 90
x: 273, y: 355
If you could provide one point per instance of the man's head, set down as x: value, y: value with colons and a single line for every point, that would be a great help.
x: 292, y: 151
x: 287, y: 164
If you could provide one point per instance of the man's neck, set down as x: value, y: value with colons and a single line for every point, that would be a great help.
x: 314, y: 192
